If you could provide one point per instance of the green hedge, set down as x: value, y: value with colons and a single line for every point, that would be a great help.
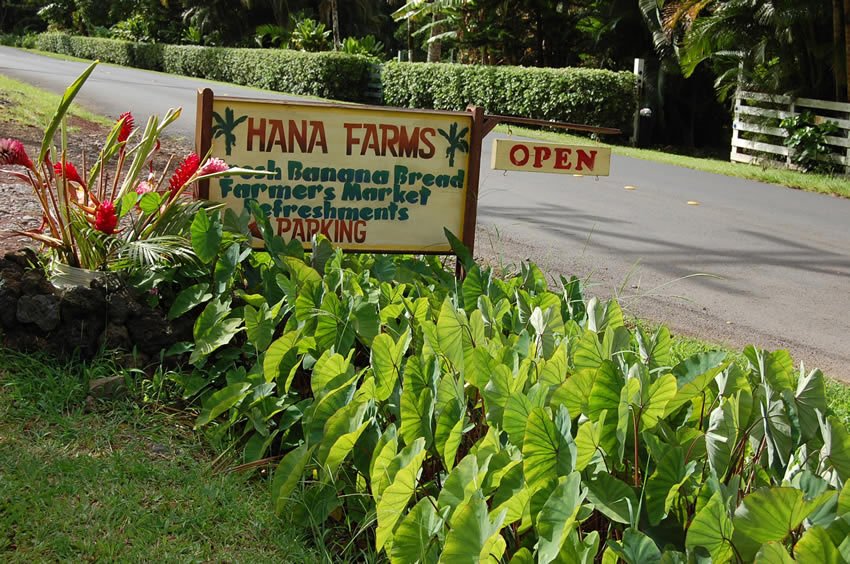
x: 590, y: 96
x: 330, y: 75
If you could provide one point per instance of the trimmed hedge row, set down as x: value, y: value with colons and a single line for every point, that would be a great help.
x: 590, y: 96
x: 339, y: 76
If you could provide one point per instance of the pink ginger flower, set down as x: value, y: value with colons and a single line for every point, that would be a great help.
x: 213, y: 166
x: 12, y: 152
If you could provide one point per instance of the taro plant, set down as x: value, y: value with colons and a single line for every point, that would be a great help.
x: 366, y: 45
x: 116, y: 212
x: 503, y: 420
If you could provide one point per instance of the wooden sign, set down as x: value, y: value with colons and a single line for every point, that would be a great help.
x: 370, y: 179
x: 528, y: 156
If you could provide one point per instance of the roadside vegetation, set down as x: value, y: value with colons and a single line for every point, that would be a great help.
x: 379, y: 406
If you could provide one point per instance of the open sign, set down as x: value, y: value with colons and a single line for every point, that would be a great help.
x: 527, y: 156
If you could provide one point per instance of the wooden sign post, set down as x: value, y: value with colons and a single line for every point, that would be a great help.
x: 369, y: 178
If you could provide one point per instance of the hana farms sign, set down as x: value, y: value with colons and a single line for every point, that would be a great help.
x: 367, y: 178
x: 527, y: 156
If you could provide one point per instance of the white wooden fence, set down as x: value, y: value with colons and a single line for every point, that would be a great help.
x: 757, y: 137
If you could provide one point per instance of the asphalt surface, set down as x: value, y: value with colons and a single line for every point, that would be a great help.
x: 720, y: 258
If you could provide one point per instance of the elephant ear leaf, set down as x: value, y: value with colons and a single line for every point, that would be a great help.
x: 395, y: 497
x: 636, y: 548
x: 558, y: 516
x: 288, y: 474
x: 473, y: 537
x: 711, y: 529
x: 414, y: 538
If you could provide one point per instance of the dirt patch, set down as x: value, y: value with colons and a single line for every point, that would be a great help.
x: 20, y: 210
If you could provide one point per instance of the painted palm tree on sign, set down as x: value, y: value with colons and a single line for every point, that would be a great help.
x: 457, y: 141
x: 224, y: 127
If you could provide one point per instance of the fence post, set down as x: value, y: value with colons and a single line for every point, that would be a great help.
x: 792, y: 108
x: 735, y: 121
x: 639, y: 69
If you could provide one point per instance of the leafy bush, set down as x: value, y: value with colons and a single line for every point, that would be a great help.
x: 309, y: 35
x: 808, y: 143
x: 331, y: 75
x: 367, y: 45
x: 590, y: 96
x: 500, y: 419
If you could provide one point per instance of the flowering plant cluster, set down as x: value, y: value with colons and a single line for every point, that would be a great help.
x: 116, y: 212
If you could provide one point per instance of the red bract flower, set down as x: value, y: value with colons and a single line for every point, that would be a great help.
x: 213, y: 166
x: 70, y: 173
x: 12, y: 152
x: 105, y: 218
x: 126, y: 127
x: 185, y: 171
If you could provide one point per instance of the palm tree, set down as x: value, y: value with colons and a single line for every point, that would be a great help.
x: 457, y: 142
x: 224, y: 127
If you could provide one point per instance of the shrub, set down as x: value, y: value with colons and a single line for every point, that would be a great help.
x: 591, y: 96
x: 330, y: 75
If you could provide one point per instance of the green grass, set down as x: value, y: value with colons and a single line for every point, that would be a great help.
x: 119, y: 481
x: 30, y: 106
x: 834, y: 185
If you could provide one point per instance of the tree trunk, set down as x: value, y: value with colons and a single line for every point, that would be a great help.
x: 335, y: 15
x: 435, y: 48
x: 847, y: 45
x: 410, y: 40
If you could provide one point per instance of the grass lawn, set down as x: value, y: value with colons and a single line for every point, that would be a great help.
x: 31, y: 106
x: 119, y: 481
x: 835, y: 185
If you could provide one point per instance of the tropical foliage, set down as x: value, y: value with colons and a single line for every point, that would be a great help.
x: 117, y: 212
x: 500, y: 419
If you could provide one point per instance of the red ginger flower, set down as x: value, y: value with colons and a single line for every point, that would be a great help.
x: 126, y: 126
x: 185, y: 171
x: 70, y: 173
x: 105, y: 217
x: 12, y: 152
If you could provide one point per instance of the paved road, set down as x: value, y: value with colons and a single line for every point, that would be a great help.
x: 752, y: 263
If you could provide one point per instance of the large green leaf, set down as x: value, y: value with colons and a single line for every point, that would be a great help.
x: 260, y: 325
x: 810, y: 399
x: 589, y: 441
x: 396, y: 496
x: 206, y: 233
x: 189, y: 298
x: 773, y: 553
x: 770, y: 514
x: 512, y: 496
x: 575, y: 392
x: 462, y: 482
x: 605, y: 394
x: 816, y: 546
x: 341, y: 433
x: 212, y: 330
x: 695, y: 374
x: 836, y: 448
x: 281, y: 360
x: 660, y: 393
x: 289, y: 472
x: 473, y: 538
x: 557, y: 518
x: 450, y: 334
x: 636, y: 548
x: 662, y: 487
x: 548, y: 449
x: 415, y: 537
x: 221, y: 401
x: 711, y: 529
x: 613, y: 497
x: 517, y: 409
x: 721, y: 437
x: 387, y: 359
x: 382, y: 457
x: 655, y: 351
x: 450, y: 418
